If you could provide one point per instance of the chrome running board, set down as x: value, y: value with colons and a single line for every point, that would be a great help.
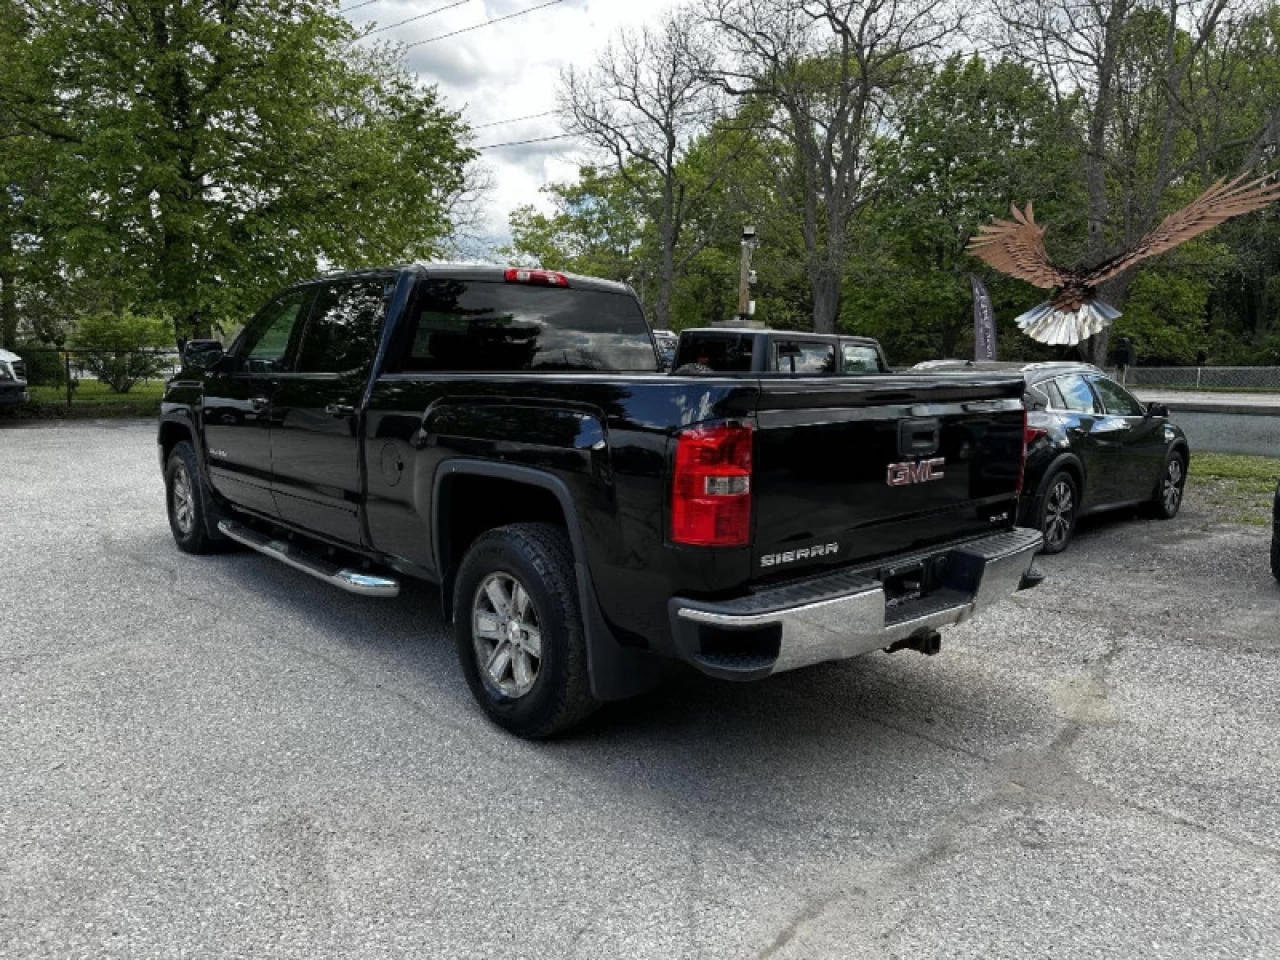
x: 344, y: 578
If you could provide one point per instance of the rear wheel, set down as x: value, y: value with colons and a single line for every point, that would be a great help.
x: 1167, y: 500
x: 1058, y: 511
x: 1275, y: 553
x: 519, y: 631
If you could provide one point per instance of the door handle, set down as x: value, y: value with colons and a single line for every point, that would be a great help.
x: 258, y: 403
x: 339, y: 409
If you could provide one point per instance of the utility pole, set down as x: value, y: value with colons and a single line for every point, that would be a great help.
x: 746, y: 277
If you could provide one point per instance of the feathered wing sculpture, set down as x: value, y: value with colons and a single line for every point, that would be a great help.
x: 1016, y: 247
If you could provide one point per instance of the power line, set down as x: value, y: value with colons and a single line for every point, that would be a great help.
x: 498, y: 123
x: 521, y: 143
x: 357, y: 6
x: 420, y: 16
x: 509, y: 16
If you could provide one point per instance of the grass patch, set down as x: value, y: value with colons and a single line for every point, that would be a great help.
x: 1241, y: 486
x: 93, y: 399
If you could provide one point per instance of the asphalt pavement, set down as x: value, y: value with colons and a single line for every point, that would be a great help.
x: 1230, y: 432
x: 1247, y: 423
x: 219, y: 757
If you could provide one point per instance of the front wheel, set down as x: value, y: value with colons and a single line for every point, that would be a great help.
x: 187, y: 502
x: 1275, y: 553
x: 519, y: 631
x: 1058, y: 511
x: 1167, y: 500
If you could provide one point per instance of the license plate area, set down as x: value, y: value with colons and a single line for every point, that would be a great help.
x: 911, y: 580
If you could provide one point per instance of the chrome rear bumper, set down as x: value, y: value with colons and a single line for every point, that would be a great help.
x: 840, y: 615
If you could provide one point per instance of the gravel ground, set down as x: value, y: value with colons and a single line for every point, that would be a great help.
x: 218, y: 757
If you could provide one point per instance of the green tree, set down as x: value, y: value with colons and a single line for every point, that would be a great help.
x: 595, y: 228
x: 214, y: 150
x: 972, y: 137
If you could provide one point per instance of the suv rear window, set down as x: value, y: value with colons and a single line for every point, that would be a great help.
x: 502, y: 327
x: 804, y: 356
x: 723, y: 353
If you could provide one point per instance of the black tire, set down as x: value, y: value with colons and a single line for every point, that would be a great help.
x: 1059, y: 507
x: 1275, y: 553
x: 538, y: 558
x: 1166, y: 501
x: 192, y: 515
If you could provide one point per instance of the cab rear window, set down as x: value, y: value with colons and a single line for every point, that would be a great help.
x: 481, y: 326
x: 718, y: 352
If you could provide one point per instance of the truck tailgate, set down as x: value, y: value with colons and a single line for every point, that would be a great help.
x: 853, y: 469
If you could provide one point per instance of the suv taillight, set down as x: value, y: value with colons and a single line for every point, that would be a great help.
x: 711, y: 490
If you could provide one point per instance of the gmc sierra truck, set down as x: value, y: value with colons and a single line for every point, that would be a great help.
x: 506, y: 434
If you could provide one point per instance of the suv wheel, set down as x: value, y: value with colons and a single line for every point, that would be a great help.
x: 188, y: 502
x: 519, y: 631
x: 1058, y: 510
x: 1275, y: 553
x: 1167, y: 500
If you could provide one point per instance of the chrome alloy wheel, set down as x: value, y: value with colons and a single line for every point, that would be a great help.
x: 506, y: 634
x: 1059, y: 512
x: 184, y: 506
x: 1171, y: 486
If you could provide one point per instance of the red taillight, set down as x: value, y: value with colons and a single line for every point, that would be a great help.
x: 711, y: 490
x: 1030, y: 435
x: 538, y: 278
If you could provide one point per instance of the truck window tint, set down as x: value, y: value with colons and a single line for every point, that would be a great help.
x: 860, y: 359
x: 1076, y: 395
x: 501, y: 327
x: 266, y: 339
x: 723, y: 354
x: 1116, y: 400
x: 345, y: 325
x: 803, y: 357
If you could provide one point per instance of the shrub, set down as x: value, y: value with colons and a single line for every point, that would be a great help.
x: 122, y: 350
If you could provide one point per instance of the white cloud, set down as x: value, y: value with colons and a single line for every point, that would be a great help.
x: 507, y: 70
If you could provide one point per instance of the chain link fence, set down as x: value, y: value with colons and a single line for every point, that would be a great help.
x: 1205, y: 378
x: 76, y: 382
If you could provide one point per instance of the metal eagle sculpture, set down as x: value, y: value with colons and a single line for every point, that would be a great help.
x: 1075, y: 312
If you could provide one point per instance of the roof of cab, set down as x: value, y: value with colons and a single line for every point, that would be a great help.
x: 770, y: 331
x: 489, y: 273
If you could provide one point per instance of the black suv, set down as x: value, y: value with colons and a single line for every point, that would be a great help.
x: 1091, y: 446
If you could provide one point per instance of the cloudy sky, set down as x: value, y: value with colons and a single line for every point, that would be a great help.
x: 507, y: 70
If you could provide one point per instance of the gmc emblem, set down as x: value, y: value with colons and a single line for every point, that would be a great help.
x: 905, y: 474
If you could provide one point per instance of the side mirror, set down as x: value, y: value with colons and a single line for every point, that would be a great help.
x: 1158, y: 410
x: 201, y: 353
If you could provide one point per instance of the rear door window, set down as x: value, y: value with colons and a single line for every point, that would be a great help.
x: 482, y: 326
x: 723, y: 353
x: 346, y: 322
x: 1076, y: 394
x: 802, y: 357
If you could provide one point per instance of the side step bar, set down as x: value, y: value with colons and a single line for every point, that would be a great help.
x: 344, y: 578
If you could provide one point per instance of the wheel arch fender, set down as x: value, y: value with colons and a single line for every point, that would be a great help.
x: 1069, y: 462
x: 616, y: 671
x: 174, y: 428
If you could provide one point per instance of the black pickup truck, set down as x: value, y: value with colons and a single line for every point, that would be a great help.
x: 506, y: 434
